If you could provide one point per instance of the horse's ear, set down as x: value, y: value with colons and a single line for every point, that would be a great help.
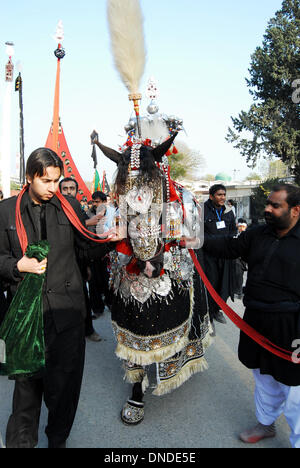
x: 109, y: 152
x: 160, y: 150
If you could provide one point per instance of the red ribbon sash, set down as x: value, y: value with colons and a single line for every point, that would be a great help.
x: 236, y: 319
x: 233, y: 316
x: 69, y: 212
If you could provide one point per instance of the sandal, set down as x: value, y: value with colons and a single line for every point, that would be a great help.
x: 132, y: 412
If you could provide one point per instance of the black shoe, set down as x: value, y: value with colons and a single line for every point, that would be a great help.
x: 52, y: 445
x: 219, y: 317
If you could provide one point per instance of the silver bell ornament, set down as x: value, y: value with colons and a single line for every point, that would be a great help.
x: 152, y: 107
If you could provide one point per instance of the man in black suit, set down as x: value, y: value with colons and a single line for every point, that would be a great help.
x: 43, y: 217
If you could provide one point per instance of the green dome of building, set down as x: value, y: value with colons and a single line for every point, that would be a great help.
x: 222, y: 176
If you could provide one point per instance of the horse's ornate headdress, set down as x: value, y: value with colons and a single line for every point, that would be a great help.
x: 136, y: 153
x: 128, y: 47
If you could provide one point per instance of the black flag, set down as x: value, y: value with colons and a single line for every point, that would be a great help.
x: 94, y: 157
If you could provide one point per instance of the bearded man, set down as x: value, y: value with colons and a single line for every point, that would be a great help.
x: 272, y: 301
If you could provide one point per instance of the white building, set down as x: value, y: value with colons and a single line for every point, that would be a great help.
x: 239, y: 192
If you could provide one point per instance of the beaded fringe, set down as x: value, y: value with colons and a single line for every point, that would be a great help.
x: 191, y: 368
x: 188, y: 370
x: 145, y: 358
x: 137, y: 375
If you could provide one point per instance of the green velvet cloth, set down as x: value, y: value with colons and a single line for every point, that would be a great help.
x: 22, y: 328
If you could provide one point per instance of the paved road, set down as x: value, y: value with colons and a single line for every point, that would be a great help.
x: 208, y: 411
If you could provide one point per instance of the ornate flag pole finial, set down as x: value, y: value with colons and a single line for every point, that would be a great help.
x: 59, y: 54
x: 59, y: 37
x: 9, y: 68
x: 152, y: 94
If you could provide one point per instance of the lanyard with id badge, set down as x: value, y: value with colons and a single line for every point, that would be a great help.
x: 220, y: 224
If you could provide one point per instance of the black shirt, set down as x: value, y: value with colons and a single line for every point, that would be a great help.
x: 273, y: 262
x: 39, y: 217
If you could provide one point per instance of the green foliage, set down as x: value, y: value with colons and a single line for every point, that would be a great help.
x: 253, y: 176
x: 186, y: 163
x: 278, y: 169
x: 15, y: 185
x: 273, y: 119
x: 178, y: 168
x: 260, y: 195
x: 209, y: 177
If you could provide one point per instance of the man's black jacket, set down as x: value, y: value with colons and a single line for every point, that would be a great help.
x: 63, y: 290
x: 211, y: 218
x: 272, y: 296
x: 273, y: 262
x: 219, y: 271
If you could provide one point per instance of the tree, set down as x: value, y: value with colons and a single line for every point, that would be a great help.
x: 274, y: 117
x: 15, y: 185
x: 278, y: 169
x: 259, y: 197
x: 209, y: 177
x: 186, y: 163
x: 253, y: 176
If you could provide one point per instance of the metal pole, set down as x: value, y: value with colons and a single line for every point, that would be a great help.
x: 22, y: 159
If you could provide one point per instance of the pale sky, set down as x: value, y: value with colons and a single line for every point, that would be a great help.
x: 198, y: 51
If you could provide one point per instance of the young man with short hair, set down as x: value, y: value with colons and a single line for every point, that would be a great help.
x: 219, y: 221
x: 44, y: 218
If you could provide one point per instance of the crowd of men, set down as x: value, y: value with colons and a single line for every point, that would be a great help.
x: 77, y: 281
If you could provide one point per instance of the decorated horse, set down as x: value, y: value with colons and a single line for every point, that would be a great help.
x: 159, y: 311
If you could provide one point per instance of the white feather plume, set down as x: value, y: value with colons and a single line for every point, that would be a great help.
x: 127, y: 41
